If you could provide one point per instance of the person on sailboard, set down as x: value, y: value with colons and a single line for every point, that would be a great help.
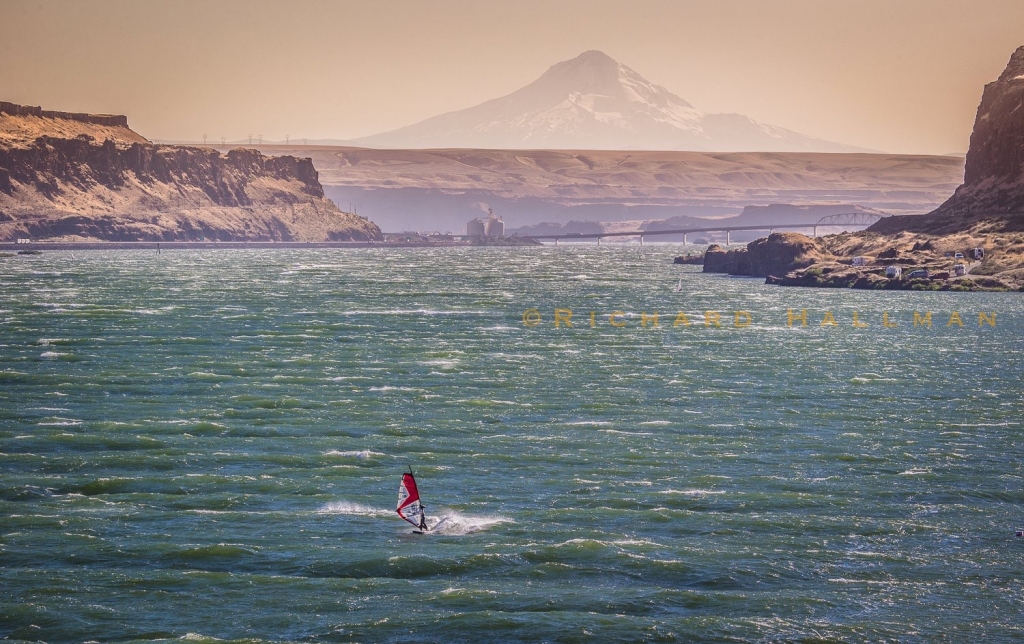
x: 409, y: 505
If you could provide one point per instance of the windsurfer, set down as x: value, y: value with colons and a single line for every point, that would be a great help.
x: 409, y: 506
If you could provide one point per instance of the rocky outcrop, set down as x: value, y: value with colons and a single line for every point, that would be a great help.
x: 861, y: 260
x: 54, y: 165
x: 992, y: 193
x: 113, y: 120
x: 994, y: 172
x: 128, y: 189
x: 783, y: 252
x: 777, y: 254
x: 731, y: 262
x: 972, y: 242
x: 693, y: 260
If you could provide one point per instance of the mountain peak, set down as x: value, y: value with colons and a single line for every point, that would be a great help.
x: 1015, y: 68
x: 590, y: 72
x: 594, y: 57
x: 594, y: 102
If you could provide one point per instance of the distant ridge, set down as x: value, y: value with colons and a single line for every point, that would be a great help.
x: 593, y: 102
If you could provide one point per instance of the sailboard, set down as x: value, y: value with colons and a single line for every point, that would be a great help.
x: 409, y: 506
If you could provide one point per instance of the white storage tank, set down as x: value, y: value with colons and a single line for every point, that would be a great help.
x: 475, y: 228
x: 893, y: 272
x: 495, y: 226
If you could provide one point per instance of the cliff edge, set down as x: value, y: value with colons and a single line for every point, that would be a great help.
x: 992, y: 194
x: 79, y: 176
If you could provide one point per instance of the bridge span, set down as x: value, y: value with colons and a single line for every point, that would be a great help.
x: 843, y: 219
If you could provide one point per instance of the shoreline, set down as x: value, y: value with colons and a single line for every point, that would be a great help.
x: 14, y: 247
x: 151, y: 245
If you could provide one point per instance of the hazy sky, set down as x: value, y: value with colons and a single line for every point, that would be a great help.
x: 894, y: 75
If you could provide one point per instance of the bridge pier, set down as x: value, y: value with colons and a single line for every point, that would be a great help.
x: 598, y: 241
x: 728, y: 238
x: 641, y: 240
x: 815, y: 228
x: 684, y: 238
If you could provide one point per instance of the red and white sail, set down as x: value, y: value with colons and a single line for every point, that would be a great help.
x: 409, y: 507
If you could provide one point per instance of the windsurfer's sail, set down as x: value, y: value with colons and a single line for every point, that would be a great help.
x: 409, y: 506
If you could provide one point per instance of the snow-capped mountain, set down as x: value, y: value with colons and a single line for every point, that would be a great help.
x: 594, y: 102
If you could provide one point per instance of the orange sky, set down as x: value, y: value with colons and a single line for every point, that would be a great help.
x: 894, y: 75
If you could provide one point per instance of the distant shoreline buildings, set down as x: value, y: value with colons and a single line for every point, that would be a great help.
x: 493, y: 227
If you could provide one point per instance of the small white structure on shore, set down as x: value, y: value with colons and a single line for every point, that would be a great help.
x: 860, y: 261
x: 893, y: 272
x: 960, y: 270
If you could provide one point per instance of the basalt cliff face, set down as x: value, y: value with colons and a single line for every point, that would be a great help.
x: 992, y: 194
x: 75, y: 176
x: 777, y: 254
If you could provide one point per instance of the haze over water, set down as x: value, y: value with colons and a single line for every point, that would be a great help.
x: 206, y: 445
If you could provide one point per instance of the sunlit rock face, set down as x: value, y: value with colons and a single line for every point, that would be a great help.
x: 66, y: 175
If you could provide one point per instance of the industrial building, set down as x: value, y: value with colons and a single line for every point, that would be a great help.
x: 493, y: 227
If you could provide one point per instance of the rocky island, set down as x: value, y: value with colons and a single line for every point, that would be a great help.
x: 973, y: 241
x: 81, y: 177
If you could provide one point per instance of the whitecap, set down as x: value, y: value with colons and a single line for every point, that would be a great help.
x: 357, y: 509
x: 455, y: 523
x: 692, y: 492
x: 354, y: 453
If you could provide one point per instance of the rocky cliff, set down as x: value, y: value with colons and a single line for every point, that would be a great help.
x: 992, y: 194
x: 792, y: 259
x: 65, y: 182
x: 777, y: 254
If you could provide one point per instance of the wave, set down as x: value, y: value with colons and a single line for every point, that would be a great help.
x: 456, y: 523
x: 870, y: 378
x: 447, y: 522
x: 692, y: 492
x: 357, y: 454
x: 355, y: 509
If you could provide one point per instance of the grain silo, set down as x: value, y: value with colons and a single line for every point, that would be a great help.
x: 475, y: 228
x: 495, y: 226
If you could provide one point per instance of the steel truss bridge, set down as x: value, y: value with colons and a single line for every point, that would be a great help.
x: 848, y: 219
